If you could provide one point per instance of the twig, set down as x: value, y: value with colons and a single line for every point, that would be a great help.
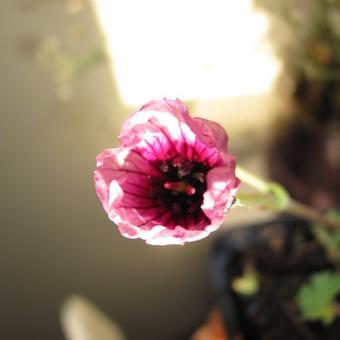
x: 279, y: 200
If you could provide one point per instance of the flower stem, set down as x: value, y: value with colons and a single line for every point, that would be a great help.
x: 302, y: 210
x: 255, y: 182
x: 281, y: 201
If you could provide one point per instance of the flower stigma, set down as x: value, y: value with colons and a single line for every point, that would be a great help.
x: 182, y: 186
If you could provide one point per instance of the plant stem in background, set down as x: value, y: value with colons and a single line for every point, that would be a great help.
x: 278, y: 199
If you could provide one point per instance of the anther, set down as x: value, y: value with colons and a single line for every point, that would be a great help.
x: 181, y: 187
x: 190, y: 190
x: 164, y: 167
x: 184, y: 169
x: 200, y: 176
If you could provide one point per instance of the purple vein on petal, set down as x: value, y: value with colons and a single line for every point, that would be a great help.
x: 136, y: 195
x: 200, y: 153
x: 153, y: 218
x: 184, y: 225
x: 206, y: 158
x: 150, y: 163
x: 153, y: 150
x: 199, y: 216
x: 183, y: 138
x: 189, y: 154
x: 135, y: 172
x: 194, y: 153
x: 165, y: 224
x: 210, y: 155
x: 134, y: 207
x: 165, y: 134
x: 161, y: 147
x: 138, y: 186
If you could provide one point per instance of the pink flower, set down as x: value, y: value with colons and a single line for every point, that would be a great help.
x: 172, y: 179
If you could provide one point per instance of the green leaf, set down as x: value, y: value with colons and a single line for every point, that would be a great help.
x: 315, y: 298
x: 280, y: 196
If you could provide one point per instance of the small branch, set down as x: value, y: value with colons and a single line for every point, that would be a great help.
x: 301, y: 210
x: 255, y: 182
x: 278, y: 199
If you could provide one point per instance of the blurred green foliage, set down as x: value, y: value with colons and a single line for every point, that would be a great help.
x: 306, y: 35
x: 330, y: 240
x: 65, y: 65
x: 315, y: 299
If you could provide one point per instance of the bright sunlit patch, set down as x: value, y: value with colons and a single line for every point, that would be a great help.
x: 186, y: 48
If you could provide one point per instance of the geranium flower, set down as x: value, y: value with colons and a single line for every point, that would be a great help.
x: 171, y: 180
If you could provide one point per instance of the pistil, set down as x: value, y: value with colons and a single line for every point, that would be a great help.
x: 180, y: 187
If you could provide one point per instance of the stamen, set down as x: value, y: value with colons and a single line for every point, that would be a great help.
x: 184, y: 169
x: 190, y: 190
x: 182, y: 187
x: 176, y: 162
x: 200, y: 176
x: 164, y: 167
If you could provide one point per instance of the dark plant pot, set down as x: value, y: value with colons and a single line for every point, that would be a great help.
x: 284, y: 253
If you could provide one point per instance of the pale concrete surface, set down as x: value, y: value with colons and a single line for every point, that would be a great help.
x: 55, y: 238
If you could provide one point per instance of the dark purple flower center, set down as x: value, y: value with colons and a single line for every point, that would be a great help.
x: 182, y: 187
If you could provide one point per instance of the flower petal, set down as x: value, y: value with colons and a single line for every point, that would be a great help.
x: 129, y: 179
x: 179, y: 235
x: 212, y: 134
x: 222, y: 185
x: 163, y: 116
x: 122, y: 180
x: 169, y: 132
x: 170, y: 117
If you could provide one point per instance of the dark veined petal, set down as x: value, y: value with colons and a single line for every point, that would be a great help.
x: 222, y: 186
x: 122, y: 179
x: 213, y: 133
x: 172, y: 179
x: 171, y: 118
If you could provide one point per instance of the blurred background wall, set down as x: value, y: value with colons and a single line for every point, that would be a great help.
x: 61, y: 104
